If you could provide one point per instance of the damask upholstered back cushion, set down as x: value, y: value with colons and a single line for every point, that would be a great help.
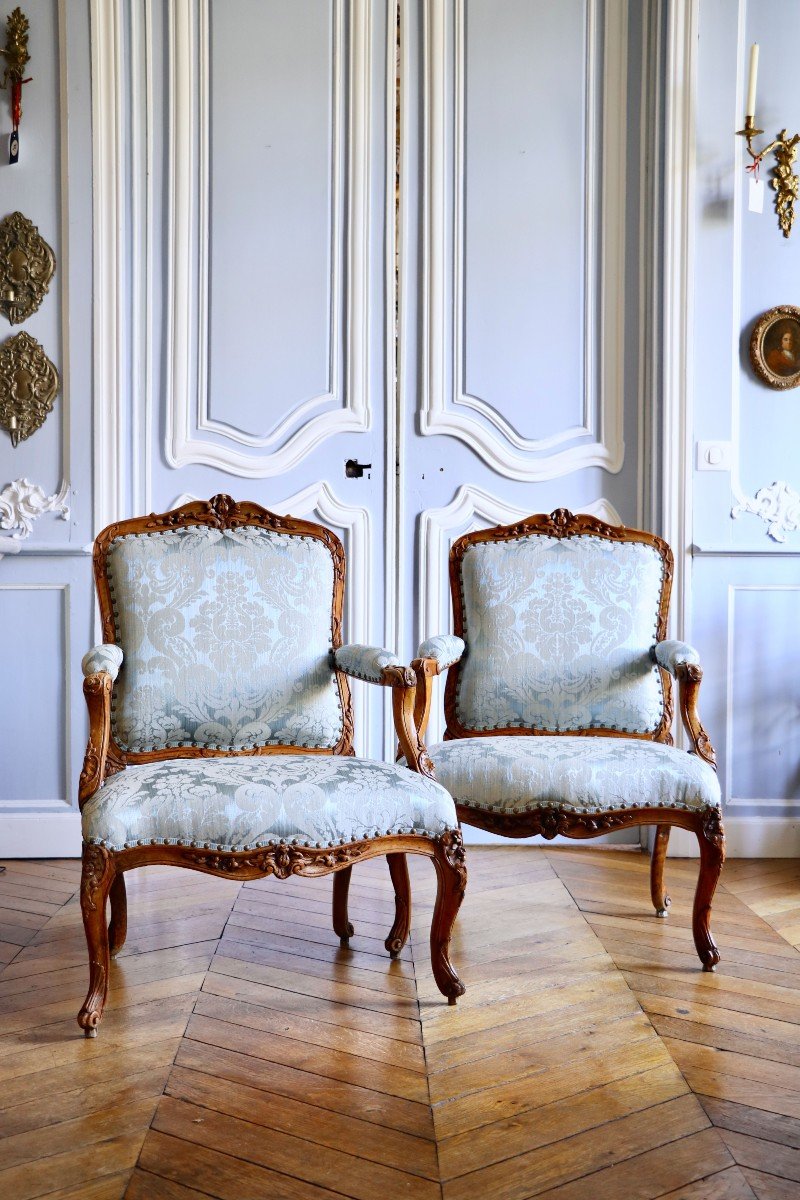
x: 226, y: 637
x: 559, y: 635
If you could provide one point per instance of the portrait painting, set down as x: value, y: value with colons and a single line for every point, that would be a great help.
x: 775, y: 347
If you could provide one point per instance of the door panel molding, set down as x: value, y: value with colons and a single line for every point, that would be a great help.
x: 598, y: 441
x: 188, y: 423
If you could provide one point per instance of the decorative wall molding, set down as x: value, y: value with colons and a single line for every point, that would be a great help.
x: 789, y: 715
x: 109, y: 149
x: 471, y: 508
x: 355, y: 525
x: 23, y: 502
x: 679, y: 214
x: 598, y: 441
x: 305, y: 427
x: 778, y: 506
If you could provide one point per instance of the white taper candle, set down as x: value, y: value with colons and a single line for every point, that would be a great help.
x: 750, y: 108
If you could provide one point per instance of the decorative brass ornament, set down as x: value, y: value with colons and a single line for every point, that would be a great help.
x: 16, y: 48
x: 27, y: 265
x: 28, y: 386
x: 784, y: 181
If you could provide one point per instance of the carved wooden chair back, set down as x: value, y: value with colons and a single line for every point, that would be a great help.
x: 559, y: 614
x: 228, y: 622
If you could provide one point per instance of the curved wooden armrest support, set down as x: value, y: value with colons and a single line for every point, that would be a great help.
x: 425, y: 670
x: 402, y: 681
x: 689, y: 677
x: 97, y: 690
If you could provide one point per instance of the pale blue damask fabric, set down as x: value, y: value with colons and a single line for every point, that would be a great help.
x: 445, y: 649
x: 559, y: 635
x: 578, y: 774
x: 227, y: 640
x: 237, y: 803
x: 364, y: 662
x: 670, y: 654
x: 107, y: 657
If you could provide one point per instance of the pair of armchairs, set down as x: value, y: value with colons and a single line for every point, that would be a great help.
x: 221, y: 726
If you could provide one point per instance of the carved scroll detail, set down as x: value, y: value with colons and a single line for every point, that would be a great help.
x: 28, y: 386
x: 27, y: 265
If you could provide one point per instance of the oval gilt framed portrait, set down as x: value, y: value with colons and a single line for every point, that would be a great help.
x: 775, y: 347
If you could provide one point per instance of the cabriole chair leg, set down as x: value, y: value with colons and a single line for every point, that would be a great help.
x: 118, y: 925
x: 341, y: 887
x: 96, y: 880
x: 661, y: 900
x: 398, y: 935
x: 451, y: 879
x: 712, y: 855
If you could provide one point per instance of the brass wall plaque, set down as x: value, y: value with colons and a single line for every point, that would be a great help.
x: 27, y: 265
x: 28, y: 386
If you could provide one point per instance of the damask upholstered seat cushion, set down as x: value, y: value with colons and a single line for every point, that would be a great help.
x: 238, y: 802
x: 578, y: 774
x: 559, y: 635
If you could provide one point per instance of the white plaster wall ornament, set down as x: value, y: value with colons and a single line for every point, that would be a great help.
x: 778, y: 506
x: 23, y: 502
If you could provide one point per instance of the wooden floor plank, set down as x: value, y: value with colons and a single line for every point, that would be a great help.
x: 244, y: 1052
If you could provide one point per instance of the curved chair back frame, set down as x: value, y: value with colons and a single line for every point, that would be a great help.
x: 560, y: 524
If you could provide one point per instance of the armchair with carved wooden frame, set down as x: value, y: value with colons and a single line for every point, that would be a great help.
x: 221, y: 726
x: 558, y: 701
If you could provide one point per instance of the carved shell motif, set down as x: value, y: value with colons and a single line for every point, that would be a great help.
x: 28, y: 386
x: 27, y: 265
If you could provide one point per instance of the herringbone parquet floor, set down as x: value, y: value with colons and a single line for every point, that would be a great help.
x: 245, y: 1055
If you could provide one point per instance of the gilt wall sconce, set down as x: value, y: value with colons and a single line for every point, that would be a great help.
x: 784, y: 180
x: 28, y: 386
x: 27, y: 265
x: 17, y: 58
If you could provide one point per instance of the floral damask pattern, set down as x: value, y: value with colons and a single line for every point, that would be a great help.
x: 235, y: 803
x: 226, y: 637
x: 578, y: 774
x: 559, y: 635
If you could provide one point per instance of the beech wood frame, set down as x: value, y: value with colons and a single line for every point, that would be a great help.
x: 551, y: 822
x: 102, y: 877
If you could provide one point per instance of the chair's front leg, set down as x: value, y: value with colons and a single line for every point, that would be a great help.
x: 711, y: 838
x: 96, y: 880
x: 118, y: 925
x: 341, y: 887
x: 661, y: 900
x: 451, y: 878
x: 398, y: 935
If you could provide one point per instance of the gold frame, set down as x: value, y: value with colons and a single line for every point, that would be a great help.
x: 774, y: 316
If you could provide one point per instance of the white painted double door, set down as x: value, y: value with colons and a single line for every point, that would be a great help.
x: 284, y: 315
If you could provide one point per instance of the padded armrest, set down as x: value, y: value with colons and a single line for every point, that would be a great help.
x: 445, y: 649
x: 103, y: 658
x: 672, y: 654
x: 365, y: 662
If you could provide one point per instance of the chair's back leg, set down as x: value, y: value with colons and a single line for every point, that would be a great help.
x: 661, y: 900
x: 398, y: 935
x: 341, y: 887
x: 96, y: 880
x: 118, y: 925
x: 712, y: 856
x: 451, y: 879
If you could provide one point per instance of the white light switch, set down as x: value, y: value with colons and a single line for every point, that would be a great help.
x: 714, y: 456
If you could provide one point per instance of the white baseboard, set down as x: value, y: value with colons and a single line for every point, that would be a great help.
x: 40, y: 835
x: 746, y: 837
